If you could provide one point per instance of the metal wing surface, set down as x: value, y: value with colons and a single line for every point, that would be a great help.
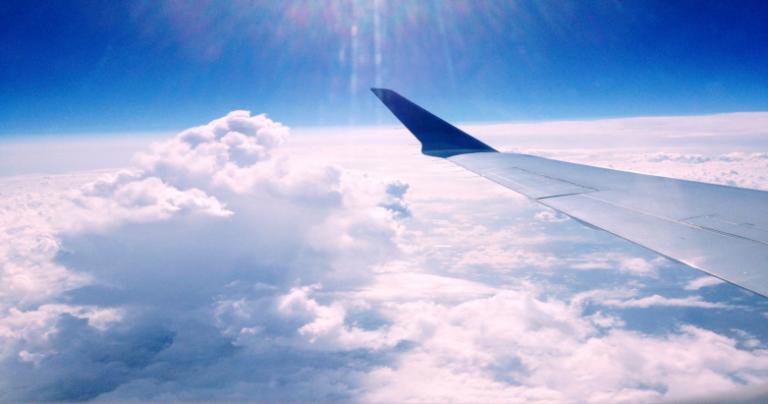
x: 717, y: 229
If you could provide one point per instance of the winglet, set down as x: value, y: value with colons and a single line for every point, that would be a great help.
x: 438, y: 138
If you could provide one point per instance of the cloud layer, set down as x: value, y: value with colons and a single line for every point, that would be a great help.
x: 224, y: 265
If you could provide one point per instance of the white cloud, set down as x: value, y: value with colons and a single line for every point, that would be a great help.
x: 513, y: 345
x: 702, y: 282
x: 409, y: 285
x: 656, y: 300
x: 229, y: 265
x: 182, y: 239
x: 628, y: 298
x: 613, y: 260
x: 507, y: 258
x: 677, y: 157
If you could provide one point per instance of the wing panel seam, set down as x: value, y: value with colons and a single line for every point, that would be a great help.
x: 690, y: 225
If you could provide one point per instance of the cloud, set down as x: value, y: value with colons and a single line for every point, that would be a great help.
x: 730, y: 157
x: 656, y: 300
x: 626, y: 298
x: 743, y: 156
x: 613, y: 260
x: 229, y: 264
x: 514, y: 344
x: 633, y: 132
x: 206, y: 226
x: 703, y: 282
x: 677, y: 157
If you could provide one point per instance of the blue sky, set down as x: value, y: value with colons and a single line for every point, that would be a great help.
x: 104, y: 67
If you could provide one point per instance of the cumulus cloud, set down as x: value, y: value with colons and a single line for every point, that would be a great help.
x: 211, y: 241
x: 227, y: 265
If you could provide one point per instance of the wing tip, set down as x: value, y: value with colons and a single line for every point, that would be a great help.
x: 381, y: 92
x: 438, y: 138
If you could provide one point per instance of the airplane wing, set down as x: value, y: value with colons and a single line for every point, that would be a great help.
x: 717, y: 229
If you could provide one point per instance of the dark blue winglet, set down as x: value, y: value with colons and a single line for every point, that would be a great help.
x: 438, y: 138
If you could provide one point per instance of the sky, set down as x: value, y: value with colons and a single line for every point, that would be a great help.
x: 135, y: 66
x: 204, y: 202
